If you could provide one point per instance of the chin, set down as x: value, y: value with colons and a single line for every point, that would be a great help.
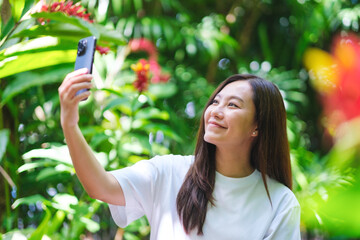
x: 209, y: 139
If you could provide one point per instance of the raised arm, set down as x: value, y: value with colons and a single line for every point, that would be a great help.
x: 97, y: 182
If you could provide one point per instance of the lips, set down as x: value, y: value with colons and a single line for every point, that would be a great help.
x: 215, y: 124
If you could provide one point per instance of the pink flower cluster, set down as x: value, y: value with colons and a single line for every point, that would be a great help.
x: 102, y: 50
x: 142, y: 44
x: 68, y: 8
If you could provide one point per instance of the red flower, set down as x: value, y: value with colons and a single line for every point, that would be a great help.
x: 68, y: 8
x: 337, y: 78
x: 344, y: 102
x: 102, y: 50
x: 143, y: 44
x: 157, y: 76
x: 142, y: 74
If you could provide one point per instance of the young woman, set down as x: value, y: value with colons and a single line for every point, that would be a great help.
x: 236, y: 186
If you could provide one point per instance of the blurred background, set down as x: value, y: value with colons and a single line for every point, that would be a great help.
x: 156, y: 64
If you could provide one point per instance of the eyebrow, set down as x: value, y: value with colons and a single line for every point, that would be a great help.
x: 232, y: 97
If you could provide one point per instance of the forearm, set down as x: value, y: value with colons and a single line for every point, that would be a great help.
x: 97, y: 182
x: 91, y: 174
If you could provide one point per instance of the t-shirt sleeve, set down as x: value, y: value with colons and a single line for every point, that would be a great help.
x: 285, y: 225
x: 137, y: 183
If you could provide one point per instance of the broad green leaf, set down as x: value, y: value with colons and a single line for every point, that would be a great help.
x: 60, y: 154
x: 4, y: 138
x: 17, y: 7
x: 151, y: 113
x: 37, y: 45
x: 63, y: 201
x: 117, y: 102
x: 36, y: 164
x: 17, y: 234
x: 74, y: 33
x: 41, y: 229
x: 27, y: 80
x: 148, y: 126
x: 90, y: 225
x: 51, y: 173
x: 29, y: 200
x: 26, y: 62
x: 162, y: 90
x: 61, y: 17
x: 64, y: 30
x: 138, y: 143
x: 138, y: 5
x: 116, y: 6
x: 55, y: 223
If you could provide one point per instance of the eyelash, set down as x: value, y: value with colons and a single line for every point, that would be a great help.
x: 214, y: 101
x: 233, y: 104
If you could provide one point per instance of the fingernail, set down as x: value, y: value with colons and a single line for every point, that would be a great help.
x: 84, y: 70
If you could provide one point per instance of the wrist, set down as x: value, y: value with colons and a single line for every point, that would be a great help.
x: 69, y: 127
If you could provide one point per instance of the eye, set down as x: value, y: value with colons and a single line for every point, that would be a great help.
x: 214, y: 101
x: 233, y: 105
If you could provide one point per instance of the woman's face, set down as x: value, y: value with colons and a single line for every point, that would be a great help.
x: 229, y: 119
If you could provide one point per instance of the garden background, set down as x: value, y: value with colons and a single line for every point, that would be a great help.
x: 156, y: 65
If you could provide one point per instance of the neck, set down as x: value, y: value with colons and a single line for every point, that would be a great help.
x: 233, y: 162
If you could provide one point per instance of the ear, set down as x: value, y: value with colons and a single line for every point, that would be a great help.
x: 255, y: 132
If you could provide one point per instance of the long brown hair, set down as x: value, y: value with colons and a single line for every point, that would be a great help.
x: 269, y: 153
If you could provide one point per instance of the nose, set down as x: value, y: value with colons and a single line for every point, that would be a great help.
x: 217, y: 112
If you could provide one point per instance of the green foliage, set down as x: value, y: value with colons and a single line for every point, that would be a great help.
x: 199, y: 44
x: 4, y: 138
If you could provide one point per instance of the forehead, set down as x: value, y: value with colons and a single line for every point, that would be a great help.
x: 241, y: 89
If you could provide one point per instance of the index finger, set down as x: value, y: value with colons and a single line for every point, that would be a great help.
x: 78, y: 72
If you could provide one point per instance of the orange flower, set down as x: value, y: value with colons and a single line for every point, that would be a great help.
x: 141, y: 68
x: 143, y: 44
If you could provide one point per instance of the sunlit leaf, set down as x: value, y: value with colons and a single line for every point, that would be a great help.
x: 90, y: 225
x: 4, y: 138
x: 41, y: 229
x: 17, y: 7
x: 163, y: 90
x: 117, y: 102
x: 37, y: 45
x: 29, y: 200
x: 61, y: 17
x: 60, y: 154
x: 26, y: 62
x: 152, y: 113
x: 27, y: 80
x: 63, y: 201
x: 55, y: 222
x: 36, y: 164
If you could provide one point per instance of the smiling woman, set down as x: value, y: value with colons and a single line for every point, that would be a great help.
x: 236, y: 186
x: 242, y: 136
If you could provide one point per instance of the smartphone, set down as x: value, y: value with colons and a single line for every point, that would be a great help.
x: 85, y: 56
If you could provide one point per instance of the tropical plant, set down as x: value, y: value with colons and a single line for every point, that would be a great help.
x: 133, y: 115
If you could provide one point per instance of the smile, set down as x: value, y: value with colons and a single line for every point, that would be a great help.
x: 215, y: 124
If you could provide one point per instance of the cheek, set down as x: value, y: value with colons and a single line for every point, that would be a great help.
x: 207, y: 115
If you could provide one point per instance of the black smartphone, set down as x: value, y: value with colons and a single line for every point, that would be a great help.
x: 85, y: 55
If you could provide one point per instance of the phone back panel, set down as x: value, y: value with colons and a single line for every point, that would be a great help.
x: 85, y: 59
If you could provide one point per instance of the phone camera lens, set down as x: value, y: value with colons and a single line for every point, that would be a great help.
x: 81, y: 47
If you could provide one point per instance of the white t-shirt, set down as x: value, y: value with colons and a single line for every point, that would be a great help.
x: 242, y: 208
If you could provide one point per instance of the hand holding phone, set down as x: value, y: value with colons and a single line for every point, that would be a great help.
x: 85, y: 56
